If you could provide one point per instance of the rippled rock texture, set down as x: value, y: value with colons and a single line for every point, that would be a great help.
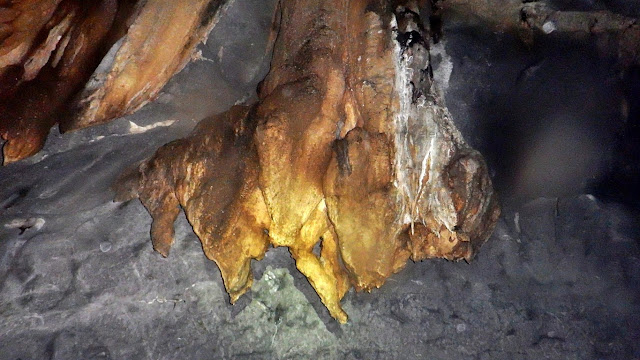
x: 350, y: 148
x: 78, y: 63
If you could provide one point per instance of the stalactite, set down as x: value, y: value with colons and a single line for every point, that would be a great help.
x: 350, y: 146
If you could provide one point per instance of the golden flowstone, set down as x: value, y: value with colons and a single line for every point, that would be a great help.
x: 349, y: 146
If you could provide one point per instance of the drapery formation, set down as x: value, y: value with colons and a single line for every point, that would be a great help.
x: 350, y: 146
x: 81, y: 63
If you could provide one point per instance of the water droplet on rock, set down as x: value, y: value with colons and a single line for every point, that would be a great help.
x: 105, y: 246
x: 548, y: 27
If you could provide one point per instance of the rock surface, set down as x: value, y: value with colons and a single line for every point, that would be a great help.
x: 37, y: 79
x: 82, y: 64
x: 349, y: 148
x: 559, y: 278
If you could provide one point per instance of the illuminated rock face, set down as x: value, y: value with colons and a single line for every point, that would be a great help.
x: 350, y: 146
x: 160, y: 42
x: 49, y: 50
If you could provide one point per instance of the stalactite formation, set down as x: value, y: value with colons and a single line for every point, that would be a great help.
x: 82, y: 63
x: 350, y: 146
x: 51, y: 48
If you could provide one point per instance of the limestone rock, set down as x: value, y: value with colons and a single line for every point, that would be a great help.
x: 350, y: 146
x: 37, y: 78
x: 80, y: 64
x: 159, y: 43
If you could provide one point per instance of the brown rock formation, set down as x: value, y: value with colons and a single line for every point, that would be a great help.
x: 213, y: 176
x: 350, y: 146
x: 160, y: 42
x: 38, y: 74
x: 49, y: 50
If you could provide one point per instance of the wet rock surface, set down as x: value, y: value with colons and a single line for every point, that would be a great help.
x: 559, y: 278
x: 349, y: 148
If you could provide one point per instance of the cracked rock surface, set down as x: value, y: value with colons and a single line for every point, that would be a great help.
x: 559, y: 277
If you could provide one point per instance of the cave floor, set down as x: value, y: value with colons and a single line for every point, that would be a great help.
x: 559, y: 279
